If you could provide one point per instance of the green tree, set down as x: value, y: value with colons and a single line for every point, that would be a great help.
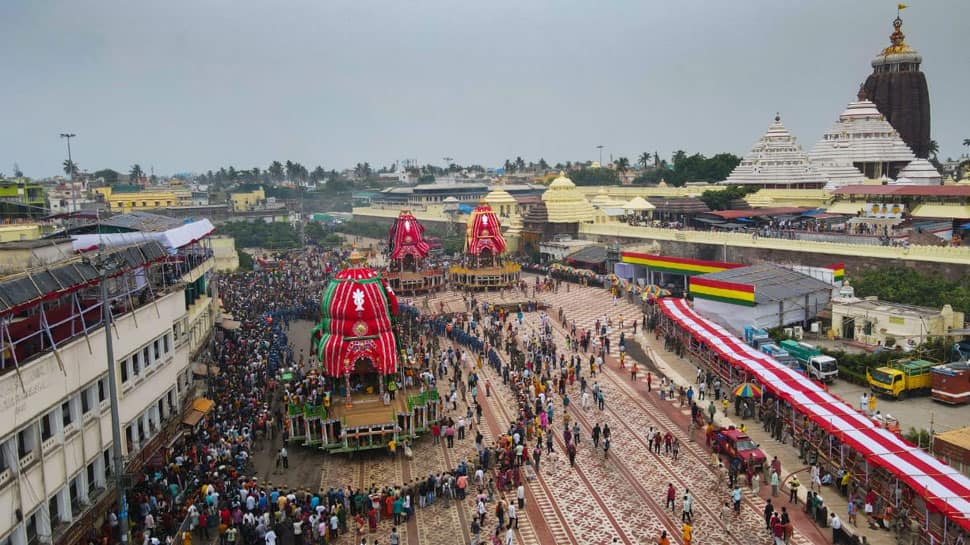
x: 136, y: 173
x: 17, y: 173
x: 622, y: 165
x: 70, y: 167
x: 644, y: 160
x: 911, y: 287
x: 109, y: 176
x: 721, y: 199
x: 318, y: 175
x: 275, y: 171
x: 595, y: 176
x: 933, y: 148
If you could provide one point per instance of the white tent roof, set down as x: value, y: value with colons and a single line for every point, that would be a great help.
x: 172, y: 239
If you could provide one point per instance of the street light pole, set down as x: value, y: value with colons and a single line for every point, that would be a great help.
x: 116, y: 454
x: 70, y: 163
x: 600, y: 147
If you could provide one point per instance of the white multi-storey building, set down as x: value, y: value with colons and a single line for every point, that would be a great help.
x: 55, y: 423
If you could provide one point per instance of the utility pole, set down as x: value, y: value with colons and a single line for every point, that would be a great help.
x: 104, y: 267
x: 600, y: 147
x: 70, y: 163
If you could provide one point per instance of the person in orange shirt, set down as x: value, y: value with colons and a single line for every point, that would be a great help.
x: 663, y: 539
x: 687, y: 533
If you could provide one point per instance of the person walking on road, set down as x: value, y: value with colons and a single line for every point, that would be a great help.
x: 687, y: 513
x: 671, y: 498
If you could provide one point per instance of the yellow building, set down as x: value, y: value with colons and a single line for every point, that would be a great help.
x: 124, y: 199
x: 19, y: 231
x: 248, y: 200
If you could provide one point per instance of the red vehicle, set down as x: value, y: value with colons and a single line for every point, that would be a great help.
x: 733, y: 443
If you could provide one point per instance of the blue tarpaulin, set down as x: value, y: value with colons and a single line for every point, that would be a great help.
x: 465, y: 208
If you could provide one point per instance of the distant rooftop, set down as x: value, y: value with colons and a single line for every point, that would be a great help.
x: 772, y: 283
x: 142, y: 221
x: 905, y: 190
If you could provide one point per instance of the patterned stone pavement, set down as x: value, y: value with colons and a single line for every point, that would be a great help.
x: 630, y: 413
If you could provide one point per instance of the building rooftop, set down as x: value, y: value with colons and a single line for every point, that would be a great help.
x: 36, y: 243
x: 905, y: 190
x: 593, y: 255
x: 771, y: 282
x: 959, y: 437
x: 759, y: 212
x: 678, y: 205
x: 776, y: 159
x: 888, y: 307
x: 142, y: 221
x: 22, y: 289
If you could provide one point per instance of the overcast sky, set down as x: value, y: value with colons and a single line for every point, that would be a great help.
x: 189, y: 85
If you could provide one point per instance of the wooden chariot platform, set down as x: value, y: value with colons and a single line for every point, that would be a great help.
x: 407, y: 282
x: 484, y: 278
x: 367, y: 423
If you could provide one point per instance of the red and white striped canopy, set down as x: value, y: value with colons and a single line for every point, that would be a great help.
x: 944, y: 488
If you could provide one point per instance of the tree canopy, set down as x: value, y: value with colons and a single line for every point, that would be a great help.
x: 911, y: 287
x: 721, y: 199
x: 685, y: 168
x: 594, y: 176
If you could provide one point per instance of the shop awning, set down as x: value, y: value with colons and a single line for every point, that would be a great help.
x: 192, y: 418
x: 200, y: 407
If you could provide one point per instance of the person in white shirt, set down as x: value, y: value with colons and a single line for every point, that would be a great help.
x: 836, y: 524
x: 509, y: 537
x: 271, y: 537
x: 520, y: 495
x: 513, y: 518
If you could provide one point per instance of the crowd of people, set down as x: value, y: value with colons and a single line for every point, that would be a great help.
x: 207, y: 487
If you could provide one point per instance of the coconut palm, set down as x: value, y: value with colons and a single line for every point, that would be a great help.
x: 966, y: 142
x: 70, y: 168
x: 622, y: 164
x: 644, y: 159
x: 136, y: 173
x: 933, y: 148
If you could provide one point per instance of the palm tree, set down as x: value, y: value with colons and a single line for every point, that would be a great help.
x: 136, y: 173
x: 622, y: 164
x: 966, y: 142
x: 644, y: 159
x: 933, y: 148
x: 70, y: 167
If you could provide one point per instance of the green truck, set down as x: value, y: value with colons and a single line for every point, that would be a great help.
x: 811, y: 359
x: 902, y: 378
